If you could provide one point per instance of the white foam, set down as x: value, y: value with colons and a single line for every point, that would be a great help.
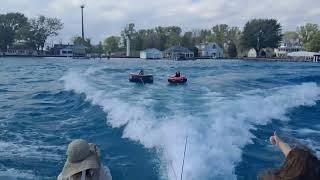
x: 19, y: 150
x: 215, y: 144
x: 307, y: 131
x: 16, y: 174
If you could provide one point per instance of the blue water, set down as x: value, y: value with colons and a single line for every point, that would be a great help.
x: 228, y: 110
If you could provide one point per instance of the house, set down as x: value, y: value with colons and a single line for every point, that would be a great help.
x: 20, y: 52
x: 67, y: 51
x: 303, y: 55
x: 252, y: 53
x: 56, y: 49
x: 212, y: 50
x: 79, y: 51
x: 20, y: 48
x: 289, y: 47
x: 316, y: 57
x: 151, y: 54
x: 178, y: 53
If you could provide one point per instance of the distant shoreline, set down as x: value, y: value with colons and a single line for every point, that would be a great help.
x: 135, y: 57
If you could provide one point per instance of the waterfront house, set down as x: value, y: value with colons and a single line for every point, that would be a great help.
x: 178, y: 53
x: 67, y: 51
x: 20, y: 48
x: 210, y: 50
x: 302, y: 55
x: 56, y: 49
x: 151, y: 54
x: 252, y: 53
x: 316, y: 57
x: 21, y: 52
x: 79, y: 51
x: 289, y: 47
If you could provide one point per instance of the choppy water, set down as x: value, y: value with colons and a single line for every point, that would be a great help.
x: 228, y: 109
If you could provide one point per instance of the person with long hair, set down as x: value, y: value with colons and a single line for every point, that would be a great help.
x: 300, y: 163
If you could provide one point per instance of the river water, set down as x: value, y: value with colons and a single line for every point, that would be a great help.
x: 228, y: 109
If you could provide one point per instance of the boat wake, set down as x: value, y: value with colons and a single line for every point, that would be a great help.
x: 217, y: 134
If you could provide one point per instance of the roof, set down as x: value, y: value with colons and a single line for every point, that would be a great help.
x: 79, y: 46
x: 60, y: 46
x: 152, y: 50
x: 68, y: 47
x: 178, y: 49
x: 302, y: 54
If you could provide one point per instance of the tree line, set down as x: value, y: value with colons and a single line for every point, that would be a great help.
x: 257, y: 34
x: 16, y: 29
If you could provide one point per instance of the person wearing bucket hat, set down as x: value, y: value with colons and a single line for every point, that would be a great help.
x: 83, y: 163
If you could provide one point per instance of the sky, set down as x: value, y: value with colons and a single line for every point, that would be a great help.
x: 104, y: 18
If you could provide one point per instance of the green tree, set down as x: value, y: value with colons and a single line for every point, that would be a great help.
x: 77, y: 40
x: 291, y: 37
x: 187, y: 40
x: 98, y: 49
x: 307, y: 33
x: 10, y: 24
x: 111, y: 44
x: 261, y: 33
x: 223, y: 35
x: 314, y: 44
x: 173, y: 36
x: 232, y: 50
x: 162, y: 37
x: 128, y: 32
x: 44, y: 27
x: 219, y: 34
x: 201, y: 36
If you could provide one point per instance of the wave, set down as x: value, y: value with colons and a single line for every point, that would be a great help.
x: 215, y: 143
x: 16, y: 174
x: 34, y: 151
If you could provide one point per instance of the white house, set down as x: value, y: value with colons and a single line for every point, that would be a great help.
x: 67, y: 51
x: 252, y: 53
x: 303, y: 55
x: 178, y: 53
x: 285, y: 48
x: 212, y: 50
x: 316, y: 57
x: 151, y: 54
x: 21, y: 52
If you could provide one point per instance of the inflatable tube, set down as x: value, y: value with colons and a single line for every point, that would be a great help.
x: 177, y: 80
x: 140, y: 78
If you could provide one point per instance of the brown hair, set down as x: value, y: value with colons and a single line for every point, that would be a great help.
x: 300, y: 164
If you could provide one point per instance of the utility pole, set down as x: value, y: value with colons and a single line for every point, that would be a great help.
x: 128, y: 45
x: 82, y: 7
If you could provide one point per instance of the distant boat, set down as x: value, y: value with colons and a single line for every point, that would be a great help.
x: 137, y: 78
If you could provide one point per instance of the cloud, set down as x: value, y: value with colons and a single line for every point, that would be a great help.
x: 104, y: 18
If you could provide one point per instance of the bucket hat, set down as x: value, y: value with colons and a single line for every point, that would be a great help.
x: 81, y: 156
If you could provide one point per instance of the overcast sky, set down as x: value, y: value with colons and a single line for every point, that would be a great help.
x: 108, y: 17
